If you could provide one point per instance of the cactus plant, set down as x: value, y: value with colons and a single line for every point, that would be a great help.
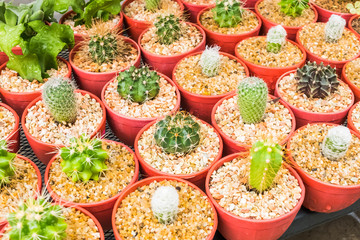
x: 103, y: 48
x: 6, y: 163
x: 266, y: 160
x: 210, y: 61
x: 336, y: 143
x: 59, y: 97
x: 138, y: 84
x: 275, y: 39
x: 293, y: 8
x: 334, y: 28
x: 252, y: 99
x: 177, y: 134
x: 316, y: 80
x: 152, y: 5
x: 354, y: 8
x: 168, y: 29
x: 165, y: 204
x: 83, y: 159
x: 228, y: 13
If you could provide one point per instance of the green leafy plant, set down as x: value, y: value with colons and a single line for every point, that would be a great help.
x: 168, y: 29
x: 293, y: 8
x: 210, y: 61
x: 336, y: 143
x: 165, y: 204
x: 334, y: 28
x: 228, y: 13
x: 7, y: 169
x: 354, y: 8
x: 152, y: 5
x: 275, y: 39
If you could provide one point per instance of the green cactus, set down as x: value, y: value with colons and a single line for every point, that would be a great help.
x: 275, y: 39
x: 334, y: 28
x: 168, y: 29
x: 59, y: 97
x: 336, y: 143
x: 228, y: 13
x: 138, y: 84
x: 266, y: 160
x: 252, y: 99
x: 293, y: 8
x: 103, y: 48
x: 6, y: 163
x: 177, y: 134
x: 152, y: 5
x: 210, y: 61
x: 165, y: 204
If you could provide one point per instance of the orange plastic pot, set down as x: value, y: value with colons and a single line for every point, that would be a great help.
x: 201, y: 105
x: 271, y: 74
x: 354, y: 88
x: 4, y: 58
x: 234, y: 227
x: 19, y: 100
x: 193, y: 9
x: 321, y: 196
x: 325, y: 14
x: 350, y: 122
x: 147, y: 181
x: 165, y: 64
x: 95, y: 81
x: 13, y: 139
x: 350, y: 25
x: 45, y: 151
x: 227, y: 42
x: 305, y: 117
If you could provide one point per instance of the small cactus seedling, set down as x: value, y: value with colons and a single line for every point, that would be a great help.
x: 336, y: 143
x: 293, y: 8
x: 165, y: 204
x: 152, y: 5
x: 84, y: 159
x: 334, y: 28
x: 168, y: 29
x: 138, y: 84
x: 210, y: 61
x: 103, y: 48
x: 252, y: 99
x: 177, y: 134
x: 6, y: 163
x: 59, y: 97
x: 354, y: 8
x: 228, y: 13
x: 275, y: 39
x: 266, y: 160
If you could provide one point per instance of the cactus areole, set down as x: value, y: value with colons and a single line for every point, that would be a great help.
x: 6, y: 163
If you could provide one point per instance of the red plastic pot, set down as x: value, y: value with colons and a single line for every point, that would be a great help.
x: 321, y: 196
x: 271, y: 74
x: 324, y: 14
x: 165, y: 64
x: 136, y: 27
x: 227, y: 42
x: 201, y: 105
x: 126, y: 128
x: 234, y: 227
x: 305, y: 117
x: 45, y: 151
x: 194, y: 9
x: 354, y: 88
x: 147, y: 181
x: 95, y: 81
x: 350, y: 25
x: 13, y: 139
x: 4, y: 58
x: 350, y: 122
x: 232, y: 146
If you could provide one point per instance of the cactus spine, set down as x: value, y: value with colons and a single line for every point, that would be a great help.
x: 228, y: 13
x: 210, y: 61
x: 168, y: 29
x: 293, y: 8
x: 334, y: 28
x: 103, y: 48
x: 165, y: 204
x: 6, y: 163
x: 336, y: 143
x: 275, y: 39
x: 152, y: 5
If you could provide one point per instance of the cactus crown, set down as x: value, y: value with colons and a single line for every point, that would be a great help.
x: 83, y: 159
x: 266, y: 160
x: 275, y: 39
x: 293, y: 8
x: 210, y: 61
x: 336, y: 143
x: 59, y: 97
x: 165, y: 204
x: 252, y: 99
x: 334, y: 28
x: 228, y: 13
x: 103, y: 48
x: 6, y: 163
x: 152, y: 5
x: 138, y: 84
x: 354, y: 8
x: 168, y: 29
x: 177, y: 134
x: 316, y: 80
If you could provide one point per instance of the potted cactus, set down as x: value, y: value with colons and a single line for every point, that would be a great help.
x: 257, y: 195
x: 350, y: 75
x: 164, y: 44
x: 314, y: 94
x: 9, y: 131
x: 61, y: 113
x: 227, y: 23
x: 338, y: 7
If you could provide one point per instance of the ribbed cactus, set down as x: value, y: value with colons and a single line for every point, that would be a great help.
x: 266, y: 160
x: 168, y: 29
x: 6, y: 163
x: 165, y: 204
x: 103, y: 48
x: 177, y: 134
x: 293, y: 8
x: 138, y: 84
x: 336, y: 143
x: 228, y: 13
x: 252, y: 99
x: 334, y: 28
x: 59, y: 97
x: 275, y: 39
x: 210, y: 61
x: 83, y: 159
x: 152, y: 5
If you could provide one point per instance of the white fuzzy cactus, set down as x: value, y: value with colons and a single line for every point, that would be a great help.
x: 210, y: 61
x: 334, y: 28
x: 165, y: 204
x: 275, y: 39
x: 336, y: 143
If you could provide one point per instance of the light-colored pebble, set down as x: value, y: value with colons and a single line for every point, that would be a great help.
x: 7, y: 122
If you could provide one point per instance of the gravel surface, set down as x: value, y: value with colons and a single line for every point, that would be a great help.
x: 7, y: 122
x: 334, y: 5
x: 356, y: 117
x: 352, y: 72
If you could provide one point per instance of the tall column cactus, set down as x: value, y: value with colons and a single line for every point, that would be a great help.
x: 293, y: 8
x: 210, y: 61
x: 6, y: 163
x: 275, y: 39
x: 165, y: 204
x: 334, y: 28
x: 336, y: 143
x: 152, y: 5
x: 168, y: 29
x: 228, y: 13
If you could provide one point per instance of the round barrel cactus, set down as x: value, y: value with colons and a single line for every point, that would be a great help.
x: 165, y: 204
x: 168, y: 29
x: 336, y: 143
x: 228, y: 13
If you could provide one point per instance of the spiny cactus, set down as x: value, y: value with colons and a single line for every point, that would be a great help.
x: 275, y: 39
x: 228, y: 13
x: 293, y: 8
x: 334, y: 28
x: 177, y: 134
x: 168, y: 29
x: 6, y: 163
x: 59, y: 97
x: 138, y: 84
x: 252, y: 98
x: 103, y: 48
x: 152, y: 5
x: 83, y: 159
x: 266, y: 160
x: 210, y: 61
x: 354, y: 8
x: 336, y: 143
x: 316, y: 80
x: 165, y: 204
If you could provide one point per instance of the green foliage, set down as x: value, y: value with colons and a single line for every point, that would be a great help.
x: 228, y: 13
x: 103, y: 48
x: 354, y: 8
x: 168, y: 29
x: 6, y: 166
x: 152, y: 5
x: 293, y: 8
x: 334, y: 28
x: 275, y: 39
x: 210, y: 61
x: 336, y: 143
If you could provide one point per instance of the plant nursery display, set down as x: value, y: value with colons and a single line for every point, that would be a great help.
x: 339, y: 7
x: 9, y: 127
x: 351, y: 76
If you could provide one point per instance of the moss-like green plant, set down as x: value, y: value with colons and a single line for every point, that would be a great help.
x: 336, y: 143
x: 334, y: 28
x: 228, y: 13
x: 275, y: 39
x: 293, y: 8
x: 168, y: 29
x: 210, y: 61
x: 354, y: 8
x: 6, y: 163
x: 152, y: 5
x: 165, y: 204
x: 103, y: 48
